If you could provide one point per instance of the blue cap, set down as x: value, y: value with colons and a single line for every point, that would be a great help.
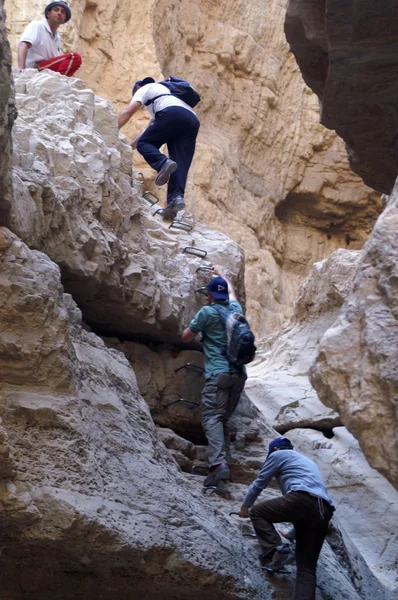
x: 281, y: 443
x: 142, y: 82
x: 218, y: 288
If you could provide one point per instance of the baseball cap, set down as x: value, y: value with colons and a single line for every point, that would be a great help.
x: 218, y: 288
x: 142, y: 82
x: 281, y: 443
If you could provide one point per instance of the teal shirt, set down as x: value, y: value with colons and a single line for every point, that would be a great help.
x: 208, y: 322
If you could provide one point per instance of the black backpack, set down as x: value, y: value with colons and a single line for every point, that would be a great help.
x: 240, y: 348
x: 180, y: 89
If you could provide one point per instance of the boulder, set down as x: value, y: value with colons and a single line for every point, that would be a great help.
x: 356, y: 371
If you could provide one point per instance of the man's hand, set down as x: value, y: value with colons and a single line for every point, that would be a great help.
x: 244, y: 512
x: 217, y: 270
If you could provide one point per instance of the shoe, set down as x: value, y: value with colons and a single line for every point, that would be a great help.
x: 169, y: 215
x: 219, y: 473
x: 168, y: 167
x: 176, y: 204
x: 282, y: 556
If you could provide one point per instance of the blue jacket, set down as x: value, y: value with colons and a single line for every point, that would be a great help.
x: 293, y: 471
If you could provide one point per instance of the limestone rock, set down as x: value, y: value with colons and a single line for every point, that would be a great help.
x: 74, y: 200
x: 356, y: 371
x: 7, y: 116
x: 348, y: 57
x: 367, y: 508
x: 279, y: 385
x: 265, y: 172
x: 171, y: 381
x: 278, y: 382
x: 95, y: 495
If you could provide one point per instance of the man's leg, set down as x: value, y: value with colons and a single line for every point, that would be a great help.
x: 214, y: 409
x: 263, y: 515
x: 66, y: 64
x: 310, y: 536
x: 181, y: 150
x: 237, y: 383
x: 154, y: 136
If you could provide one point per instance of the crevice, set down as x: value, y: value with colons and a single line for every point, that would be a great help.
x: 326, y: 431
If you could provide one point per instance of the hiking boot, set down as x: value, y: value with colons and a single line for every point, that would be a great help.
x: 283, y: 555
x: 176, y: 204
x: 169, y: 215
x: 218, y: 474
x: 168, y: 167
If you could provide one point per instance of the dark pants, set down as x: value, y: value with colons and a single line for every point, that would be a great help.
x: 178, y: 128
x: 310, y: 516
x: 220, y: 397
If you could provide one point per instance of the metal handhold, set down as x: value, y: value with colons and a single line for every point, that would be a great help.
x: 202, y: 290
x: 204, y: 268
x: 195, y: 251
x: 183, y: 401
x: 191, y: 367
x: 180, y: 225
x: 140, y: 177
x: 148, y: 195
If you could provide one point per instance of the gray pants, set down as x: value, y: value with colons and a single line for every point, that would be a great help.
x: 219, y: 399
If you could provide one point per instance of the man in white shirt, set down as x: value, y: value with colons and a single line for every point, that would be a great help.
x: 40, y: 44
x: 173, y: 123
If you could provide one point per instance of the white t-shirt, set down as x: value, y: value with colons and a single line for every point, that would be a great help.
x: 45, y: 43
x: 151, y: 90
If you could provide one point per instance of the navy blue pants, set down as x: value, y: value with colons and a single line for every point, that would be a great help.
x: 178, y: 128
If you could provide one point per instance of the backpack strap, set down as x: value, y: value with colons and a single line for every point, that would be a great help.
x: 155, y: 98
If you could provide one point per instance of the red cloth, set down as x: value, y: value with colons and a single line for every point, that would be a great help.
x: 66, y: 64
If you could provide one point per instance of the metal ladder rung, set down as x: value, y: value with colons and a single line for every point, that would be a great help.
x: 195, y: 251
x: 191, y: 367
x: 180, y: 225
x: 204, y: 269
x: 140, y: 177
x: 201, y: 290
x: 183, y: 401
x: 147, y: 196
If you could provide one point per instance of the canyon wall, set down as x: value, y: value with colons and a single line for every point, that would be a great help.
x: 347, y: 55
x: 265, y: 172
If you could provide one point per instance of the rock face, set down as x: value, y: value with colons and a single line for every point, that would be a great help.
x: 279, y: 386
x: 278, y: 383
x: 265, y: 172
x: 337, y: 46
x: 7, y: 116
x: 90, y: 487
x: 74, y: 200
x: 356, y: 372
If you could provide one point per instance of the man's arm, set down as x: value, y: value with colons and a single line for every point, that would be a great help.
x: 217, y: 270
x: 128, y: 112
x: 188, y: 335
x: 196, y: 326
x: 269, y: 470
x: 23, y: 48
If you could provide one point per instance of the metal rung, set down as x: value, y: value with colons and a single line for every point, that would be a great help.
x: 140, y: 177
x: 189, y: 402
x: 180, y: 225
x: 190, y: 367
x: 201, y: 290
x: 204, y: 268
x: 147, y: 196
x: 159, y: 211
x: 195, y: 251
